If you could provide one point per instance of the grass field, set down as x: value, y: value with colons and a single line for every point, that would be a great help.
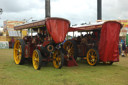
x: 12, y: 74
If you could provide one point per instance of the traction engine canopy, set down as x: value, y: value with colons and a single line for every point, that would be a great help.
x: 57, y: 28
x: 109, y: 40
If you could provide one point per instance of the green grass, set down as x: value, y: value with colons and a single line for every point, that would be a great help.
x: 12, y: 74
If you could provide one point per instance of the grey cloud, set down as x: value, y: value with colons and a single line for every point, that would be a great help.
x: 20, y: 5
x: 115, y: 9
x: 77, y: 11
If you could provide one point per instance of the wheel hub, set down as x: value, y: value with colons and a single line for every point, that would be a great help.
x: 93, y: 58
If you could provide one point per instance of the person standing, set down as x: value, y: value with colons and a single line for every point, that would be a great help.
x: 126, y: 51
x: 119, y: 49
x: 12, y: 42
x: 123, y: 49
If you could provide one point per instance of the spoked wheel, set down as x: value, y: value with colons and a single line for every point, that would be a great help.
x: 92, y: 57
x: 71, y: 49
x: 18, y: 51
x: 36, y: 59
x: 58, y: 59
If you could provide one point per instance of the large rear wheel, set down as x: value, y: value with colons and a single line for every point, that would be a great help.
x: 18, y: 51
x: 92, y: 57
x: 58, y: 59
x: 36, y: 59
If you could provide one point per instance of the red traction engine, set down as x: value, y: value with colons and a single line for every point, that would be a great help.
x: 97, y: 43
x: 42, y: 44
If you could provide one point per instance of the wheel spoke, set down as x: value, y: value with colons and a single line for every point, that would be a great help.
x: 94, y: 54
x: 72, y: 51
x: 17, y: 45
x: 59, y: 58
x: 36, y: 58
x: 67, y: 48
x: 56, y: 58
x: 59, y: 63
x: 37, y: 63
x: 90, y: 54
x: 71, y: 46
x: 16, y: 49
x: 36, y: 55
x: 19, y: 56
x: 16, y: 57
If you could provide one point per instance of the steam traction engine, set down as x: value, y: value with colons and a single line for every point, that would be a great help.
x: 44, y: 43
x: 98, y: 43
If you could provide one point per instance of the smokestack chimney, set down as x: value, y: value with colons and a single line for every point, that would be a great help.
x: 99, y: 9
x: 47, y: 8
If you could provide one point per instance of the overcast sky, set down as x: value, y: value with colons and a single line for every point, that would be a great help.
x: 77, y: 11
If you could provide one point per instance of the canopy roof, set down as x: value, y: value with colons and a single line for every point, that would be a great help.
x: 97, y: 26
x: 30, y: 25
x: 36, y: 24
x: 57, y: 27
x: 85, y: 28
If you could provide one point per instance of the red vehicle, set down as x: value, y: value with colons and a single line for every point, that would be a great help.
x: 45, y: 45
x: 98, y: 44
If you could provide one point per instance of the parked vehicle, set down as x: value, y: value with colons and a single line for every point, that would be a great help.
x: 99, y: 43
x: 43, y: 43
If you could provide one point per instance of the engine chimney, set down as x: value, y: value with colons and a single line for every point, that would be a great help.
x: 99, y: 9
x: 47, y: 9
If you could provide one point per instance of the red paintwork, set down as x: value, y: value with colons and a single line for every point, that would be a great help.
x: 46, y: 43
x: 32, y: 48
x: 27, y: 54
x: 57, y: 28
x: 81, y: 50
x: 39, y: 46
x: 71, y: 62
x: 109, y: 40
x: 29, y: 48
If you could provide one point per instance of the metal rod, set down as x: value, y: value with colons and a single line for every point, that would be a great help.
x: 99, y: 9
x: 73, y: 34
x: 31, y: 32
x: 21, y: 33
x: 47, y: 8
